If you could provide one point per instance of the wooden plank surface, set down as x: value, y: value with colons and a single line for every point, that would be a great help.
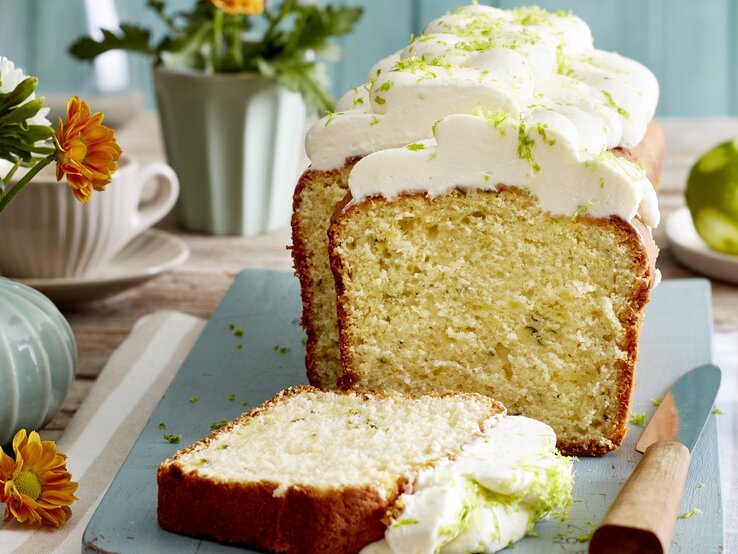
x: 676, y: 337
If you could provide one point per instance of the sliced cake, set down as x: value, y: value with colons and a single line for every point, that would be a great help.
x: 475, y: 58
x: 319, y: 472
x: 499, y: 258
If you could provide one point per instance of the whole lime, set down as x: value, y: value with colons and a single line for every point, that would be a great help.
x: 712, y: 197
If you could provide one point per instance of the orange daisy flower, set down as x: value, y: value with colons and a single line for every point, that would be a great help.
x: 243, y: 7
x: 36, y: 486
x: 87, y: 152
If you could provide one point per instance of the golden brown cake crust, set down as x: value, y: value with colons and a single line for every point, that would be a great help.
x: 304, y: 520
x: 636, y: 234
x: 641, y: 242
x: 302, y: 261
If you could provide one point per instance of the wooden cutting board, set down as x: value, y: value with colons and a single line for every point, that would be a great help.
x: 252, y: 348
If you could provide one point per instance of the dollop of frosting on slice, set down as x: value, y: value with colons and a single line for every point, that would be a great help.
x: 538, y: 153
x: 486, y: 499
x: 520, y: 61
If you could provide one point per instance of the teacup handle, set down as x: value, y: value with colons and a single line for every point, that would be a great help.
x: 167, y: 191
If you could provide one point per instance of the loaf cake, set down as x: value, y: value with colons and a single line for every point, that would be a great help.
x: 475, y: 58
x: 326, y: 472
x: 510, y: 254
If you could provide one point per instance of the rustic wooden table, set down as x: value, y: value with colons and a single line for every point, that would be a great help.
x: 197, y: 286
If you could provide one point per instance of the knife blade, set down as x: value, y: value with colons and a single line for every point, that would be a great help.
x: 643, y: 516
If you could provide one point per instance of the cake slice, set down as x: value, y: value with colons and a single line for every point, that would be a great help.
x: 499, y: 259
x: 334, y: 472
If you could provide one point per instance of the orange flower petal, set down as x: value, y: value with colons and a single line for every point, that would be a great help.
x: 32, y: 451
x: 7, y: 466
x: 87, y: 151
x: 19, y: 440
x: 49, y: 454
x: 245, y: 7
x: 56, y: 488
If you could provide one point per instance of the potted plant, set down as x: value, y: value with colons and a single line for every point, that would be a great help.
x: 232, y: 101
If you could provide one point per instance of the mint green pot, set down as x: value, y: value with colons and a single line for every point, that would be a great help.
x: 235, y: 141
x: 38, y: 359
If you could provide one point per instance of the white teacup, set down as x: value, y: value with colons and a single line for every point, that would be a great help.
x: 46, y: 233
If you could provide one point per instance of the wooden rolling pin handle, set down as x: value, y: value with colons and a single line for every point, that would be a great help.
x: 643, y: 516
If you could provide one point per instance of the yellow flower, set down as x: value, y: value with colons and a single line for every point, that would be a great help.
x: 87, y: 152
x: 244, y: 7
x: 36, y: 486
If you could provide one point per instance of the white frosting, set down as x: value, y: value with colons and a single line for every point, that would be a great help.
x: 482, y: 152
x: 484, y: 500
x: 524, y: 61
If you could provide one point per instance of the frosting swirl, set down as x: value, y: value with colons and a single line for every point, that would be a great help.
x: 487, y: 498
x: 523, y: 61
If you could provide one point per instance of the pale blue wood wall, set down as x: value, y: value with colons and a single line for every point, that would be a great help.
x: 691, y: 45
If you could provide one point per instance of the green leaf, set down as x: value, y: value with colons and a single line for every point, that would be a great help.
x: 35, y: 133
x: 266, y: 68
x: 12, y: 151
x: 131, y: 38
x: 342, y: 20
x: 20, y: 114
x: 186, y: 50
x: 157, y: 6
x: 23, y: 90
x: 300, y: 76
x: 314, y: 25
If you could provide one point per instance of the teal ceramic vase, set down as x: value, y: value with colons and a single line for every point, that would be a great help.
x: 38, y: 359
x: 235, y: 141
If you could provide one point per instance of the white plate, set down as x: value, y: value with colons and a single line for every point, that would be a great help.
x: 692, y: 251
x: 146, y: 256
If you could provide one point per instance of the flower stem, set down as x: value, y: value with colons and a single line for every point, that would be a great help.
x: 234, y: 56
x: 216, y: 40
x: 5, y: 182
x: 8, y: 196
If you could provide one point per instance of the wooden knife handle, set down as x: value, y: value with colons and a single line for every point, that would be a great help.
x: 642, y: 518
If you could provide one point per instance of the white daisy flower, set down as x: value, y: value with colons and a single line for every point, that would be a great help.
x: 11, y: 77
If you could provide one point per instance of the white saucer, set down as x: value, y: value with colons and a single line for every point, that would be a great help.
x: 691, y: 250
x: 146, y: 256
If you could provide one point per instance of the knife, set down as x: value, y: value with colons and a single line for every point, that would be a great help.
x: 643, y: 516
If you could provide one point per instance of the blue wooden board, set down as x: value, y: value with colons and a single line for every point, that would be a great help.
x: 266, y: 305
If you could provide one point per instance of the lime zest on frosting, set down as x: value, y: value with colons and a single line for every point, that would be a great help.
x: 564, y: 64
x: 495, y: 118
x: 525, y: 147
x: 610, y: 103
x: 405, y: 521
